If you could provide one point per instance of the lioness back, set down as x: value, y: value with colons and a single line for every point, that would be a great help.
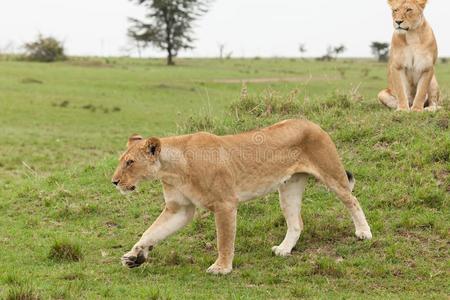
x: 255, y: 162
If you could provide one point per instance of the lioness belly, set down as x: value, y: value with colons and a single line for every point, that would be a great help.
x: 246, y: 193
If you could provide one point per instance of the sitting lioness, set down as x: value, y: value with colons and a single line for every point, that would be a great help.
x: 218, y: 172
x: 413, y: 54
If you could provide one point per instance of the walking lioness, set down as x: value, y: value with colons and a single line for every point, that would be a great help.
x: 413, y: 54
x: 218, y: 172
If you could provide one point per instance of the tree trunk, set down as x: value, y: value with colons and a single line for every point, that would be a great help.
x: 170, y: 61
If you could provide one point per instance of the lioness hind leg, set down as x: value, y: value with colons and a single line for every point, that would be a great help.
x: 343, y: 191
x: 387, y: 99
x: 433, y: 96
x: 291, y: 194
x: 362, y: 229
x: 328, y: 168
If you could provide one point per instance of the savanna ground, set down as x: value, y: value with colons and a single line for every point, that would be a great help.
x: 63, y: 227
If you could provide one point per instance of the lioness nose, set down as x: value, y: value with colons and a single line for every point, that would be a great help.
x: 115, y: 182
x: 399, y: 22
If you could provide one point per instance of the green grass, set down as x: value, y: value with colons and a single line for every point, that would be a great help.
x: 65, y: 251
x: 63, y: 125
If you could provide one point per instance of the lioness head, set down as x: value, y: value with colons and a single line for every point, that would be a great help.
x: 140, y: 161
x: 407, y: 14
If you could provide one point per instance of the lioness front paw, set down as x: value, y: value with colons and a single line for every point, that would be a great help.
x: 134, y: 259
x: 281, y: 251
x: 217, y: 269
x: 364, y: 234
x: 403, y: 108
x: 417, y: 109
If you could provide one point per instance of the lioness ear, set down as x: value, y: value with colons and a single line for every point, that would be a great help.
x: 153, y: 147
x: 391, y: 2
x: 422, y: 3
x: 133, y: 139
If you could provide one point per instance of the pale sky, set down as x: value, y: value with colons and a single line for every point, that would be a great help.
x: 248, y: 27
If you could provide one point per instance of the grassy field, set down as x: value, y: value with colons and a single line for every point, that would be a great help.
x: 63, y: 227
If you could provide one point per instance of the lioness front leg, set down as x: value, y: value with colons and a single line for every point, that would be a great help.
x: 173, y: 218
x: 225, y: 217
x: 422, y: 90
x: 400, y: 88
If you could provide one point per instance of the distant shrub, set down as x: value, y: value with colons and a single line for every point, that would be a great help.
x: 246, y: 113
x: 342, y: 72
x: 338, y: 100
x: 266, y: 104
x: 325, y: 57
x: 45, y: 49
x: 31, y: 81
x: 251, y: 111
x: 365, y: 72
x: 65, y: 251
x: 201, y: 123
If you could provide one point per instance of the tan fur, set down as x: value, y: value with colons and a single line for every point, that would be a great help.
x: 218, y: 172
x: 411, y: 77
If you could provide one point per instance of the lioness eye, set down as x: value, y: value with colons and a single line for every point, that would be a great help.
x: 409, y: 9
x: 129, y: 162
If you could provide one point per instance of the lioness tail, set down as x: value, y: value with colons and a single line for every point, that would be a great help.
x: 351, y: 180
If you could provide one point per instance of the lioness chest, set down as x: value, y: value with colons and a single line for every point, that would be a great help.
x: 415, y: 59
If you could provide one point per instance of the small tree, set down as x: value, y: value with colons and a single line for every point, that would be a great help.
x: 339, y: 50
x: 328, y: 56
x: 221, y: 50
x: 45, y: 49
x: 169, y: 24
x: 302, y: 49
x: 380, y: 50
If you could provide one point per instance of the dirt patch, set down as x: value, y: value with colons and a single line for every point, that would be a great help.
x: 89, y: 63
x: 275, y: 79
x: 174, y: 87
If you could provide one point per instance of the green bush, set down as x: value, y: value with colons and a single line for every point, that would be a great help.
x: 45, y: 49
